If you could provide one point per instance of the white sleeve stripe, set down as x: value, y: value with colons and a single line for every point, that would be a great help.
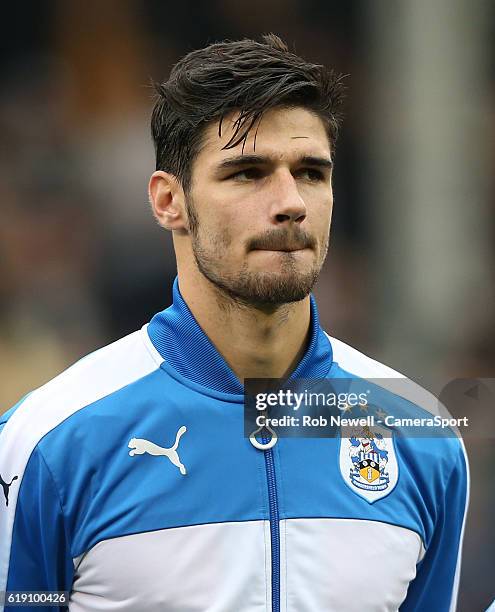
x: 455, y: 588
x: 155, y: 355
x: 98, y: 375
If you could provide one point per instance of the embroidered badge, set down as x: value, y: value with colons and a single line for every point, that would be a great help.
x: 368, y: 462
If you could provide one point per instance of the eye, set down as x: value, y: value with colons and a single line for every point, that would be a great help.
x: 311, y: 174
x: 248, y: 174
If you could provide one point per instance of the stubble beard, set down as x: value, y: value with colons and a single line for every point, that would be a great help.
x: 246, y: 287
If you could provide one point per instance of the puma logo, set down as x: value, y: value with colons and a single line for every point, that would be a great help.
x: 140, y: 446
x: 6, y: 486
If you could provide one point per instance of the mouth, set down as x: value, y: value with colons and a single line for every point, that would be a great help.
x: 283, y: 250
x: 283, y: 242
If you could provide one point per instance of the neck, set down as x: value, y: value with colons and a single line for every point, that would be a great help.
x: 256, y: 342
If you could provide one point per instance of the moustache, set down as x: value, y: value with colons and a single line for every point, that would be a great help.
x: 282, y: 241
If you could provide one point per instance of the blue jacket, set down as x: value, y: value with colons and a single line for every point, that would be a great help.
x: 130, y: 484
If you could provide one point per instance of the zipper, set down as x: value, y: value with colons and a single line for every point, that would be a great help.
x: 274, y: 524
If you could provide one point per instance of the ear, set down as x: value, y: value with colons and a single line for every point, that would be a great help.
x: 167, y: 201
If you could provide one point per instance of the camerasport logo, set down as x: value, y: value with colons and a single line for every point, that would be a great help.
x: 368, y: 462
x: 6, y: 487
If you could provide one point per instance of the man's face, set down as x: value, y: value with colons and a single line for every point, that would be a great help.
x: 260, y: 219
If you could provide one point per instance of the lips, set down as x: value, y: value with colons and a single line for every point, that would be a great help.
x: 276, y: 241
x: 284, y: 249
x: 280, y: 250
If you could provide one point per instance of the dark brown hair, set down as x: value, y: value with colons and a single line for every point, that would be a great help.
x: 244, y: 75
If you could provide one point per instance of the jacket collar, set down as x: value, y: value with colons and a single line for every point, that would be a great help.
x: 182, y: 343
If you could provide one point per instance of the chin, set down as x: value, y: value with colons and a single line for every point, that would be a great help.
x: 273, y: 288
x: 254, y: 285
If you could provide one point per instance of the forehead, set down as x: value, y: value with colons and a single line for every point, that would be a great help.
x: 282, y: 133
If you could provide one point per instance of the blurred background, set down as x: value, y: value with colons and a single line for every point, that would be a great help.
x: 409, y: 277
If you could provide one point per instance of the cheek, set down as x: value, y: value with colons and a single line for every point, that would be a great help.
x: 224, y: 238
x: 326, y: 213
x: 218, y: 236
x: 228, y: 230
x: 320, y: 218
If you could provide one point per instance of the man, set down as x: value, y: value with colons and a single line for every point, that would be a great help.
x: 136, y: 489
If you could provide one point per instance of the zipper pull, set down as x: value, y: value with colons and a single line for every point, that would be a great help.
x: 260, y: 445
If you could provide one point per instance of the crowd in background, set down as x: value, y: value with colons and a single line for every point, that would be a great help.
x: 81, y: 260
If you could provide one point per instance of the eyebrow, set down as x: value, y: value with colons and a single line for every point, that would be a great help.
x: 260, y: 160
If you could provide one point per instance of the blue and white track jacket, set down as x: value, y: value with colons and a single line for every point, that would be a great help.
x: 130, y: 484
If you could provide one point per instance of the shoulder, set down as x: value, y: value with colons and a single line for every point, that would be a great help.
x: 355, y: 362
x: 351, y: 361
x: 407, y: 399
x: 96, y: 376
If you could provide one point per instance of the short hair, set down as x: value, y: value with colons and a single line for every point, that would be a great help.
x: 248, y: 76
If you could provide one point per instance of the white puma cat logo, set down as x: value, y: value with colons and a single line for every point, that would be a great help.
x: 6, y: 486
x: 140, y: 446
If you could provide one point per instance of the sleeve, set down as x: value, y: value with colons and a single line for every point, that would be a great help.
x: 34, y: 546
x: 436, y: 583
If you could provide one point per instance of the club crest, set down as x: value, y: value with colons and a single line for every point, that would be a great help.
x: 368, y: 462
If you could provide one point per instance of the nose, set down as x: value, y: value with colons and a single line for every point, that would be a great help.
x: 287, y: 204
